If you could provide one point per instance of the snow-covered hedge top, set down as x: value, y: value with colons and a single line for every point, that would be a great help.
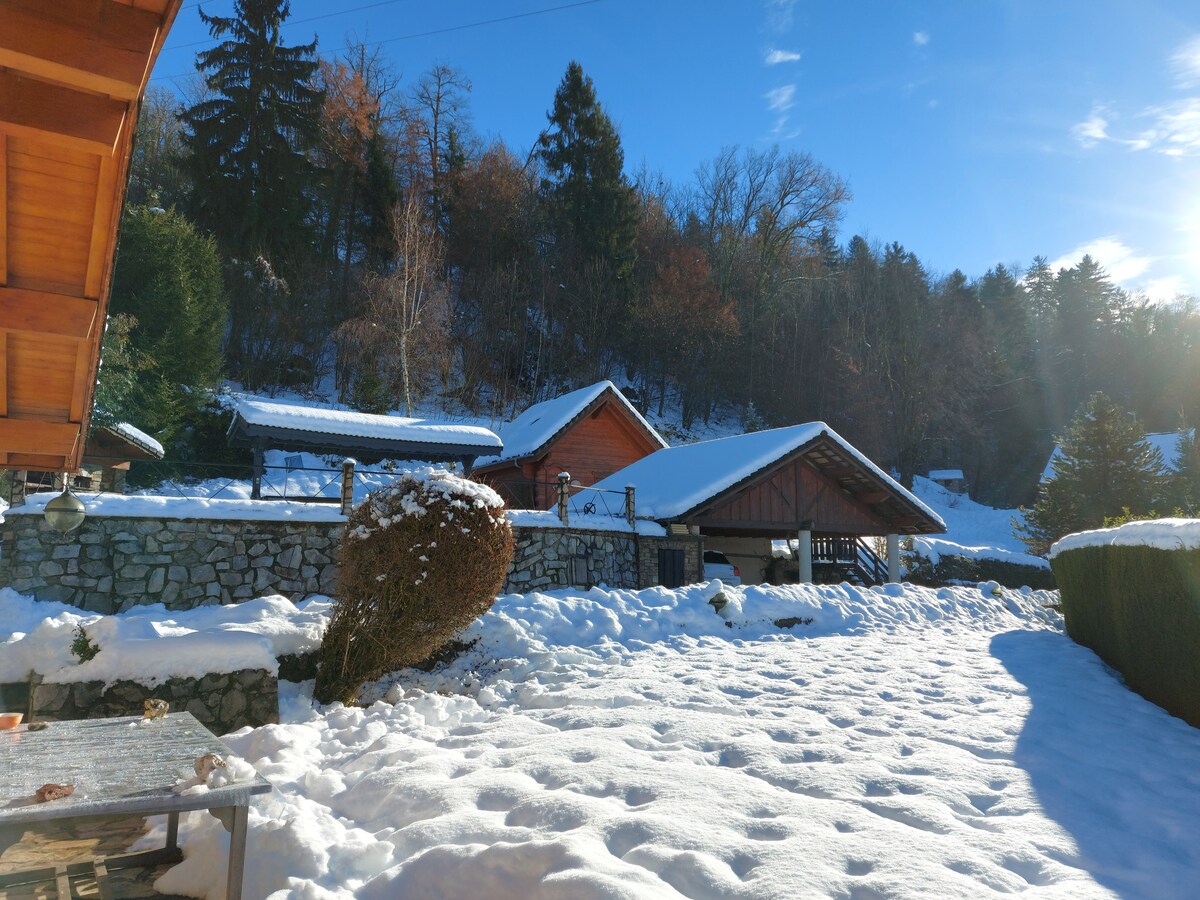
x: 150, y: 644
x: 155, y: 507
x: 365, y: 425
x: 417, y: 487
x: 1161, y: 534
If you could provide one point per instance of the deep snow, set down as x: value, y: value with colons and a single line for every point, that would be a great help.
x: 906, y: 742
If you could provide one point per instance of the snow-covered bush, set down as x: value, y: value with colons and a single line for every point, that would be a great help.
x: 421, y: 559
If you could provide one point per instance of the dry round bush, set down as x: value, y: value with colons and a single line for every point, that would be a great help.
x: 421, y: 560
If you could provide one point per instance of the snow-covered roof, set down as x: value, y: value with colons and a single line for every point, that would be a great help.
x: 1165, y: 442
x: 137, y: 437
x: 1161, y: 534
x: 305, y: 424
x: 533, y: 429
x: 675, y: 480
x: 945, y: 474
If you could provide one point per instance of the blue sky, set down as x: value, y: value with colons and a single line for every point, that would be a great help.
x: 971, y: 132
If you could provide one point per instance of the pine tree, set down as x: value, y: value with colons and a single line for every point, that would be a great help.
x: 169, y: 318
x: 595, y: 208
x: 593, y: 212
x: 246, y: 144
x: 1106, y: 469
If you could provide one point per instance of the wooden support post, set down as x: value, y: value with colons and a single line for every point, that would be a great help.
x: 256, y: 482
x: 347, y: 485
x: 630, y: 505
x: 893, y: 558
x: 564, y: 494
x: 804, y: 554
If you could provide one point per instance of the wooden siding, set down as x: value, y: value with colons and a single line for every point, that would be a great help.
x: 604, y: 440
x: 784, y: 498
x: 72, y: 73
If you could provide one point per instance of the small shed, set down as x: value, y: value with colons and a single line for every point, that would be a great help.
x: 805, y: 481
x: 950, y: 479
x: 106, y: 458
x: 589, y: 433
x: 261, y: 424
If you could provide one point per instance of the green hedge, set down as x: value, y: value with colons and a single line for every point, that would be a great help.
x: 1139, y: 609
x: 963, y: 570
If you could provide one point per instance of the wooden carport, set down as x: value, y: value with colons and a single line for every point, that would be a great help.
x: 72, y: 75
x: 805, y: 482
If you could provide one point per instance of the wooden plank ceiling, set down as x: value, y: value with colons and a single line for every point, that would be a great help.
x: 72, y: 74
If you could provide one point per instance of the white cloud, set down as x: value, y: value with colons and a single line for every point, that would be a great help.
x: 1185, y: 63
x: 1123, y: 265
x: 1176, y: 129
x: 780, y: 14
x: 1093, y: 129
x: 920, y: 38
x: 1126, y: 268
x: 781, y: 99
x: 775, y: 57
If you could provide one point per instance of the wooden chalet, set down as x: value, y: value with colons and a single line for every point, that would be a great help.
x: 805, y: 482
x: 72, y: 76
x: 589, y: 433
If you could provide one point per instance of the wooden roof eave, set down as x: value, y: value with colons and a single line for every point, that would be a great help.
x: 72, y: 75
x: 916, y: 516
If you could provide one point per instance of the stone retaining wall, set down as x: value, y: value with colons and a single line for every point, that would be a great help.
x: 113, y: 563
x: 222, y: 703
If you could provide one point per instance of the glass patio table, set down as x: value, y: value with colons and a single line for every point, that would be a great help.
x: 122, y: 766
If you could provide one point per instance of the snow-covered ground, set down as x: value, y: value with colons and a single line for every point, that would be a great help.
x: 895, y: 742
x: 973, y: 531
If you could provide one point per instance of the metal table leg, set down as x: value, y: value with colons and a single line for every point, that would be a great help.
x: 237, y: 852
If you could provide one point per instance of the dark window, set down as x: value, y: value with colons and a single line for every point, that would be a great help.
x: 716, y: 556
x: 670, y: 568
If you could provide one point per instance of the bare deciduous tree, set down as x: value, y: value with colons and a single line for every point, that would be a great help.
x: 406, y: 307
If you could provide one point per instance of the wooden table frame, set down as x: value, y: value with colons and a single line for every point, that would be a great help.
x: 120, y: 766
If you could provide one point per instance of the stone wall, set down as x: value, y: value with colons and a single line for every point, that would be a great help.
x: 113, y: 563
x: 222, y: 703
x: 548, y: 558
x: 693, y: 554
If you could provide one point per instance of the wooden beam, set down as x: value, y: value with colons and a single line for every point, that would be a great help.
x: 871, y: 497
x: 35, y: 462
x: 3, y: 373
x: 104, y: 228
x: 92, y: 45
x: 70, y: 118
x: 42, y: 313
x: 3, y: 209
x: 37, y: 437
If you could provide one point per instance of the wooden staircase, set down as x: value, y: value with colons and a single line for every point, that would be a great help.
x: 851, y: 559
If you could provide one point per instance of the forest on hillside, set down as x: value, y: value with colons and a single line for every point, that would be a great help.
x: 303, y: 218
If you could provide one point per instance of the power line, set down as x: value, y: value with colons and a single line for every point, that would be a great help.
x: 340, y: 12
x: 422, y: 34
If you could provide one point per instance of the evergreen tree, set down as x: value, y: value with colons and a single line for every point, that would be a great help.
x: 164, y: 342
x: 1184, y: 483
x: 246, y: 144
x: 592, y: 210
x: 595, y: 207
x: 1106, y: 469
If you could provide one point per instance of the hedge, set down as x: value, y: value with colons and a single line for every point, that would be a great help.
x: 1138, y: 608
x: 965, y: 570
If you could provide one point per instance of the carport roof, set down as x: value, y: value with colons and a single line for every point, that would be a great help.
x: 675, y: 482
